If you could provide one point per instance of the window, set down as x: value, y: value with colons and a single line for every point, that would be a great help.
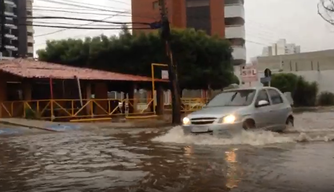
x: 262, y: 96
x: 275, y: 96
x: 233, y: 98
x: 155, y: 4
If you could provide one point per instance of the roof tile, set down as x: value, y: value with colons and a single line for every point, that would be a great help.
x: 29, y: 68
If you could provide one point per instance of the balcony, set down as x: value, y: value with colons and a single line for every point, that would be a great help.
x: 10, y: 2
x: 30, y: 50
x: 11, y: 36
x: 30, y: 39
x: 11, y: 26
x: 10, y: 14
x: 239, y: 53
x: 234, y: 10
x: 11, y: 47
x: 30, y: 29
x: 235, y: 32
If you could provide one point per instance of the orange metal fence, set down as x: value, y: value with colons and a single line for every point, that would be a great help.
x: 86, y: 108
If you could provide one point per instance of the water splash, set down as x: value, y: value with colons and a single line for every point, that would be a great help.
x: 176, y: 135
x: 309, y: 127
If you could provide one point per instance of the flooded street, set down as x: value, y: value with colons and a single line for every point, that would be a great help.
x: 154, y: 160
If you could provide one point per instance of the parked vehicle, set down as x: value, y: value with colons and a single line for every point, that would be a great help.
x: 233, y: 110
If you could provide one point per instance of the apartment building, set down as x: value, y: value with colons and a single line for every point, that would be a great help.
x: 235, y: 29
x: 281, y: 47
x: 16, y: 31
x: 224, y: 18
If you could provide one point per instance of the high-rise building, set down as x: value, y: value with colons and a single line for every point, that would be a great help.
x: 281, y: 47
x: 224, y: 18
x: 16, y: 30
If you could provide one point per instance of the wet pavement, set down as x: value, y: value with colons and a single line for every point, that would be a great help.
x: 156, y: 160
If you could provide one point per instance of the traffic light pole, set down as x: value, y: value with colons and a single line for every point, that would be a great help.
x: 174, y: 85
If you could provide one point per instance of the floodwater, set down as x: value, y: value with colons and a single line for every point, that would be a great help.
x: 153, y: 160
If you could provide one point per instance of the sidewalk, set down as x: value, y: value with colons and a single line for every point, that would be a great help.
x: 66, y: 126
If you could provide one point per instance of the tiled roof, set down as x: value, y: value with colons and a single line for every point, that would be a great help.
x: 29, y: 68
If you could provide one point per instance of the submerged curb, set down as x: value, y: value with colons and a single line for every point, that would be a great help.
x: 27, y: 126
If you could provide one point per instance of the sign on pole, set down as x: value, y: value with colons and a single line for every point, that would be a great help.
x: 249, y: 74
x: 164, y: 74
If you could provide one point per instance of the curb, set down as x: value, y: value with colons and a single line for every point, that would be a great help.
x: 27, y: 126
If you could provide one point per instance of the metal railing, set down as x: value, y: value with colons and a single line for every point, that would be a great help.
x: 67, y: 109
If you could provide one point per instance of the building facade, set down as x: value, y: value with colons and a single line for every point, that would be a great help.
x: 281, y: 47
x: 16, y: 30
x: 315, y: 66
x: 235, y: 29
x: 224, y: 18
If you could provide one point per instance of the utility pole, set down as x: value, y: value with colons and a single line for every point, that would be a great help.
x: 172, y: 69
x: 2, y: 27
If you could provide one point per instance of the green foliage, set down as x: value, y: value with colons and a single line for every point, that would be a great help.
x: 202, y: 60
x: 286, y: 82
x: 326, y: 98
x: 303, y: 93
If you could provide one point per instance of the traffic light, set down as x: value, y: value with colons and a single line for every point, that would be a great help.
x: 267, y: 72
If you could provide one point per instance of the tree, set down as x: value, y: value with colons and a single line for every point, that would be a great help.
x: 326, y: 10
x: 203, y: 61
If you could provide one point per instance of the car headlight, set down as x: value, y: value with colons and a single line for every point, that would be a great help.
x: 229, y: 119
x: 186, y: 121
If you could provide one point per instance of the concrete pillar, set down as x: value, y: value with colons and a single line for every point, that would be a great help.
x: 101, y: 92
x: 160, y: 100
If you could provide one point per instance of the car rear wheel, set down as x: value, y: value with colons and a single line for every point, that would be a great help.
x: 248, y: 124
x: 289, y: 123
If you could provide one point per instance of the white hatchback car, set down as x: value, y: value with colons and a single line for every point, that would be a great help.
x: 243, y: 108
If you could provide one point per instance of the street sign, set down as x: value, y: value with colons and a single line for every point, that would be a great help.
x: 265, y: 79
x: 249, y: 74
x: 164, y: 74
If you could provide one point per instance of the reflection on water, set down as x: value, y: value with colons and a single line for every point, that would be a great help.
x: 233, y: 169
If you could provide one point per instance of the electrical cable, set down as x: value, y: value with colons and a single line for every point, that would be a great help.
x: 82, y: 19
x: 74, y: 27
x: 74, y: 12
x: 82, y: 6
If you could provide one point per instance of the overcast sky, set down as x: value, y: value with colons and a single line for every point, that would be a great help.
x: 266, y: 22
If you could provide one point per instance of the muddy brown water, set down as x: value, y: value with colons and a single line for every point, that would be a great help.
x: 159, y: 161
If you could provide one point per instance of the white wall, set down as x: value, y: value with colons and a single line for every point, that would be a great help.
x: 325, y: 79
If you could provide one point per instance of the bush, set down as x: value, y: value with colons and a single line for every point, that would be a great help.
x: 285, y: 82
x: 326, y: 98
x: 303, y: 93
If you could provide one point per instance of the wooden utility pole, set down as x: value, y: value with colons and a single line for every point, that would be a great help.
x: 172, y: 72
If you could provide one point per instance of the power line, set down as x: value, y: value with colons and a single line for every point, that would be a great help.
x: 74, y: 27
x: 82, y: 6
x: 82, y: 19
x: 61, y: 30
x: 73, y: 24
x: 75, y: 12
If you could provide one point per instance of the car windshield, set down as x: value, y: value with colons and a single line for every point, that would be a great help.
x: 233, y: 98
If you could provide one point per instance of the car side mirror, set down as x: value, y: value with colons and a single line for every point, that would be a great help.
x: 262, y: 103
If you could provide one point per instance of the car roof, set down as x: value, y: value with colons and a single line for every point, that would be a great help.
x: 249, y: 88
